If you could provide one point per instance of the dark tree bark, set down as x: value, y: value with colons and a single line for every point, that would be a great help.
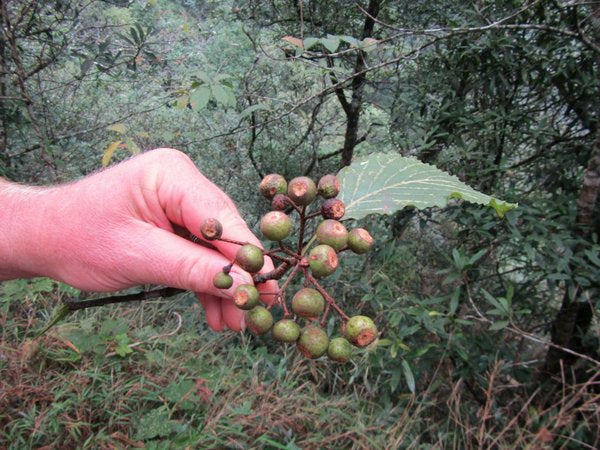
x: 575, y: 315
x: 353, y: 107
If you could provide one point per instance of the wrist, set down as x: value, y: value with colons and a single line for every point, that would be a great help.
x: 21, y: 221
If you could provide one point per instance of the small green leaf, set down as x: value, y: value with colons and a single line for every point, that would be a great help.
x: 182, y: 101
x: 118, y: 127
x: 219, y: 93
x: 501, y: 324
x: 250, y: 109
x: 331, y: 43
x: 310, y: 42
x: 454, y: 300
x: 408, y: 375
x: 199, y: 98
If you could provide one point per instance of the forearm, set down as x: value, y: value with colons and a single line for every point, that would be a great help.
x: 21, y: 211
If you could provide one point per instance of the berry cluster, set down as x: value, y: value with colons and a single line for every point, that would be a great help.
x: 312, y: 301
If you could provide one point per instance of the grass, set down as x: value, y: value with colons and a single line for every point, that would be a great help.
x: 180, y: 385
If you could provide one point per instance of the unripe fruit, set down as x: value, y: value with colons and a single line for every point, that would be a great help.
x: 222, y: 280
x: 313, y: 341
x: 250, y: 258
x: 259, y: 320
x: 302, y: 191
x: 308, y: 303
x: 332, y: 233
x: 280, y: 202
x: 333, y: 208
x: 286, y: 330
x: 323, y: 261
x: 339, y: 350
x: 275, y: 226
x: 329, y: 186
x: 272, y: 184
x: 246, y: 296
x: 211, y: 229
x: 359, y: 240
x: 360, y: 331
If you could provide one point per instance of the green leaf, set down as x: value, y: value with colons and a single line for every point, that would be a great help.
x: 182, y: 101
x: 408, y: 375
x: 500, y: 325
x: 385, y: 183
x: 155, y: 423
x: 219, y: 93
x: 250, y: 109
x: 331, y: 43
x: 118, y: 127
x: 310, y: 42
x: 199, y: 98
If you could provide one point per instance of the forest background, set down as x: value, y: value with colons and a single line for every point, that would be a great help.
x: 489, y: 326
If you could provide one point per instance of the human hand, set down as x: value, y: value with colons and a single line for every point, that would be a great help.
x: 116, y: 229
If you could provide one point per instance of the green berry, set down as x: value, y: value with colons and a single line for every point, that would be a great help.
x: 359, y: 240
x: 313, y: 341
x: 302, y: 191
x: 332, y: 233
x: 333, y: 208
x: 329, y: 186
x: 246, y: 296
x: 360, y: 331
x: 250, y: 258
x: 272, y: 184
x: 211, y: 229
x: 308, y: 303
x: 286, y: 330
x: 259, y: 320
x: 339, y: 350
x: 275, y: 226
x: 322, y: 260
x: 222, y: 280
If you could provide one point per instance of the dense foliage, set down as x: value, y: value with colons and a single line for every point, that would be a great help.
x: 489, y: 326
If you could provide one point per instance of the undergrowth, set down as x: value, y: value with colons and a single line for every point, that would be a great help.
x: 152, y: 376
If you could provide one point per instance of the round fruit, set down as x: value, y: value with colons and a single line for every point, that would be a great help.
x: 250, y: 258
x: 280, y: 202
x: 308, y: 303
x: 259, y: 320
x: 222, y: 280
x: 332, y: 233
x: 339, y: 350
x: 272, y: 184
x: 275, y: 225
x: 302, y: 191
x: 360, y: 331
x: 246, y: 296
x: 322, y: 260
x: 333, y: 208
x: 313, y: 341
x: 329, y: 186
x: 211, y: 229
x: 286, y: 330
x: 359, y: 240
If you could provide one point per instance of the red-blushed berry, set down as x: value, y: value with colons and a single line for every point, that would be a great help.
x: 250, y: 258
x: 272, y: 185
x: 328, y: 186
x: 259, y: 320
x: 360, y: 331
x: 275, y: 225
x: 332, y: 233
x: 322, y: 260
x: 302, y: 191
x: 308, y: 303
x: 211, y: 229
x: 313, y: 341
x: 359, y: 240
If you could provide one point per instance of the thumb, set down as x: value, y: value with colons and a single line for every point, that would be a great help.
x: 166, y: 258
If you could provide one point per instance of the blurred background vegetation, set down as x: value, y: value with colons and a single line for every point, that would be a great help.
x: 490, y: 334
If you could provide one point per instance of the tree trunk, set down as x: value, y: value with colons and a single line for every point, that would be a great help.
x: 352, y: 108
x: 575, y: 315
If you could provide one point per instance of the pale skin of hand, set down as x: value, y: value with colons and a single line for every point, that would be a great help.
x: 116, y: 229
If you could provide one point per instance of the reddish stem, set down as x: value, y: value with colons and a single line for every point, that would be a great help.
x: 280, y: 295
x: 301, y: 231
x: 232, y: 241
x: 328, y: 298
x: 313, y: 215
x: 274, y: 274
